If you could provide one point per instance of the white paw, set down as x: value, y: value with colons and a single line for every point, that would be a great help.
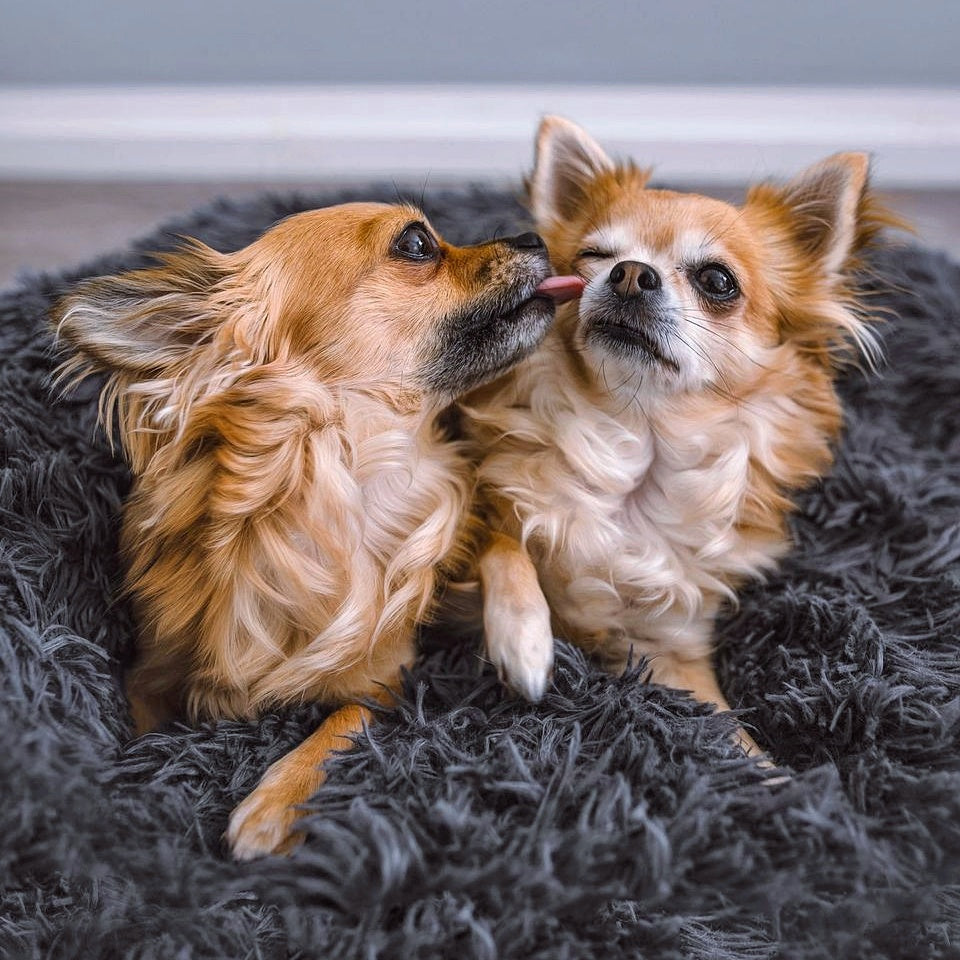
x: 520, y: 645
x: 263, y: 823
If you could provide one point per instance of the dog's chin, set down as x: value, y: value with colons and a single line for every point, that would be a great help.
x: 480, y: 342
x: 629, y: 341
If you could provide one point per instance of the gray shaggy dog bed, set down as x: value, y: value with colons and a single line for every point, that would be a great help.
x: 612, y: 820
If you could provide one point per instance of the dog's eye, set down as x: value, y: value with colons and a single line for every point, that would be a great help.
x: 593, y: 253
x: 716, y: 281
x: 415, y: 243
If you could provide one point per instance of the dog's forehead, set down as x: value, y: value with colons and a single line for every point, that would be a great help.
x: 336, y: 242
x: 666, y: 222
x: 357, y: 223
x: 365, y: 218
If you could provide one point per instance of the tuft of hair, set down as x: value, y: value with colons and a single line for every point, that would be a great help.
x: 571, y: 171
x: 819, y: 228
x: 152, y: 331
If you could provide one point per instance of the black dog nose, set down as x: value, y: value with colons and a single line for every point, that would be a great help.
x: 630, y: 279
x: 526, y: 241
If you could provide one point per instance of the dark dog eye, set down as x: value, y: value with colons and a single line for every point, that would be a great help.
x: 415, y: 243
x: 592, y: 253
x: 716, y: 281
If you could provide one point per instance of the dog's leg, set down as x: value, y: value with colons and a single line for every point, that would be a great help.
x: 697, y: 675
x: 516, y: 617
x: 263, y: 822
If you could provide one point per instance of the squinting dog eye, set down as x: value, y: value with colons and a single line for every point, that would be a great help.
x: 592, y: 253
x: 715, y: 281
x: 415, y: 243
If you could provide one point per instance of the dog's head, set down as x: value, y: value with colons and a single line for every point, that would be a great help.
x: 688, y: 293
x: 363, y: 295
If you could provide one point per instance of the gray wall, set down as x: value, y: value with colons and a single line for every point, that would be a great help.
x: 572, y: 41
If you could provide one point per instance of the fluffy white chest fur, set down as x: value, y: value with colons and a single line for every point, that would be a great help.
x: 632, y: 513
x: 384, y: 511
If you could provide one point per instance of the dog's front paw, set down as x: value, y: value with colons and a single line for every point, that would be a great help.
x: 263, y: 823
x: 520, y: 646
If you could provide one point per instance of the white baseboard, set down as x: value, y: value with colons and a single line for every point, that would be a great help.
x: 706, y: 134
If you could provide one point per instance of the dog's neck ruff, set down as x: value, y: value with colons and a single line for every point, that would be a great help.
x: 640, y: 519
x: 325, y: 516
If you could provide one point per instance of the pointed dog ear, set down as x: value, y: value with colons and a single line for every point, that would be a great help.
x: 145, y: 321
x: 567, y: 160
x: 815, y: 229
x: 824, y: 205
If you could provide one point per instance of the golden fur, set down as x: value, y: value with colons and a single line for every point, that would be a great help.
x: 296, y: 501
x: 645, y: 488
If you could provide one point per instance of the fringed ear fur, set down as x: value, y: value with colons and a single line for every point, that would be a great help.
x: 817, y: 226
x: 146, y: 329
x: 824, y: 206
x: 143, y: 322
x: 567, y: 160
x: 828, y: 211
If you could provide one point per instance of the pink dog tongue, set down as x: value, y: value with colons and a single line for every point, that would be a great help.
x: 562, y: 289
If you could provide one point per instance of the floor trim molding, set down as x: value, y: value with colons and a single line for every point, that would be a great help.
x: 691, y: 134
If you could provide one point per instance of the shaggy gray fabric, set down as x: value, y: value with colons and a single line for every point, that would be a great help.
x: 612, y: 820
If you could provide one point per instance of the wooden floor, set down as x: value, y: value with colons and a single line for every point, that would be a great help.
x: 52, y: 225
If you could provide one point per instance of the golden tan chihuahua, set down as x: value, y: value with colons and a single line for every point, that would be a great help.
x: 296, y: 500
x: 640, y: 465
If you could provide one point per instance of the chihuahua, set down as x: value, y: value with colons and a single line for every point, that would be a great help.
x: 296, y: 501
x: 639, y: 466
